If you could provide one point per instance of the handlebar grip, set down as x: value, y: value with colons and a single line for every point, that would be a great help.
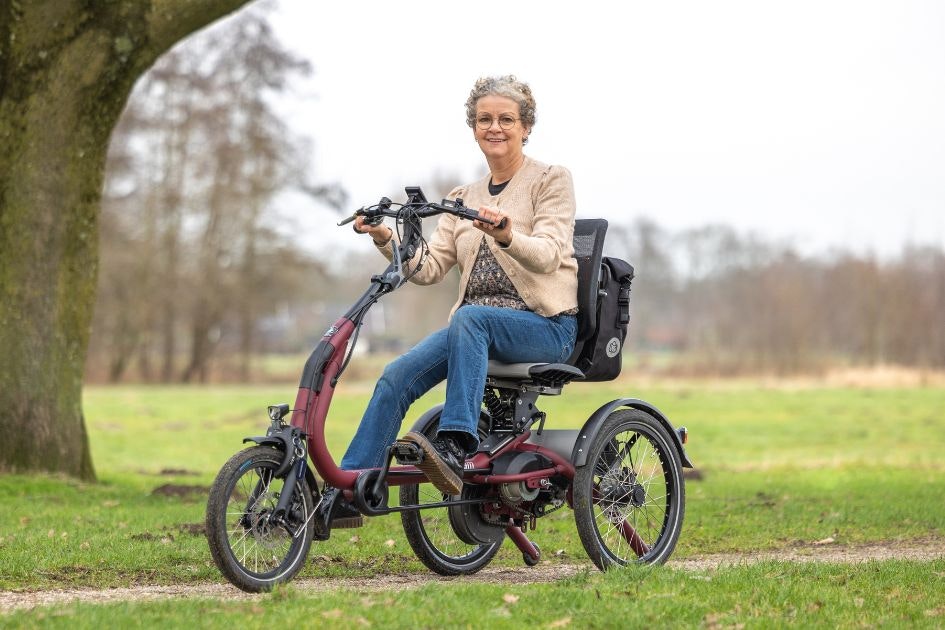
x: 472, y: 215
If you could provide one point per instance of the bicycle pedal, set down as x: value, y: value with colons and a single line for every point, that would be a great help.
x: 407, y: 453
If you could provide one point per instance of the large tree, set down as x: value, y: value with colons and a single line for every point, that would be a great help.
x: 66, y: 69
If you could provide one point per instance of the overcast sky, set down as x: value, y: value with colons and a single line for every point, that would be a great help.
x: 819, y: 121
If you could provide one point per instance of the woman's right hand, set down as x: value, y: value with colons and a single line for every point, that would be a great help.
x: 380, y: 233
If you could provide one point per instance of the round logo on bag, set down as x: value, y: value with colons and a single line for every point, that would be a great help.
x: 613, y: 347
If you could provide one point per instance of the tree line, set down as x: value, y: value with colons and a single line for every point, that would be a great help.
x: 192, y: 253
x: 705, y: 301
x: 197, y: 280
x: 727, y: 303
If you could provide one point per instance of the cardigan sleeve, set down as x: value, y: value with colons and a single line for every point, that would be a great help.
x: 543, y: 250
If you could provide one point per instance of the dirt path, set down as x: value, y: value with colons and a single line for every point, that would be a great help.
x: 549, y: 572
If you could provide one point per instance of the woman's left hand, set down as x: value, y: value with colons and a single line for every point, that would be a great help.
x: 504, y: 235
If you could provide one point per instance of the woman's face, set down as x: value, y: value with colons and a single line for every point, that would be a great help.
x: 494, y: 141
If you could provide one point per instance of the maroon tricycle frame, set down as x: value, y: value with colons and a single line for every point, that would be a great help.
x: 310, y: 414
x: 516, y: 476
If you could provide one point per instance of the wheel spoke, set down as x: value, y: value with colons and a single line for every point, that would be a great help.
x: 630, y: 492
x: 248, y: 548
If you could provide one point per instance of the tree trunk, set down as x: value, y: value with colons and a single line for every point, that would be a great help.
x: 66, y: 69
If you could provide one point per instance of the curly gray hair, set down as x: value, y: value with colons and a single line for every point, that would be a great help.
x: 507, y: 86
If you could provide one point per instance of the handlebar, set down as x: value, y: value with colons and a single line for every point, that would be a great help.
x: 410, y: 215
x: 419, y: 207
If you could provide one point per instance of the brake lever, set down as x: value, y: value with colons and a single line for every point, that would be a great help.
x: 350, y: 219
x: 382, y: 206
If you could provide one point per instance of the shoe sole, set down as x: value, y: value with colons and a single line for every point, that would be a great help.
x: 438, y: 473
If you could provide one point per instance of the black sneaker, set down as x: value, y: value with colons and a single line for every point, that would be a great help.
x: 334, y: 512
x: 442, y: 461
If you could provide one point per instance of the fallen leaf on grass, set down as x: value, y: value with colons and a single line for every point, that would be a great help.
x: 561, y: 552
x: 826, y: 541
x: 390, y: 542
x: 560, y: 623
x: 508, y: 598
x: 353, y: 539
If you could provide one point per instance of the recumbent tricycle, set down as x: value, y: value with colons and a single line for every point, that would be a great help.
x: 621, y: 472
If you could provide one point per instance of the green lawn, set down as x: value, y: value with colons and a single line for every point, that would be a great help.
x: 779, y: 468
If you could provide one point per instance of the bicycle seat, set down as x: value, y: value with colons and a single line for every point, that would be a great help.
x: 550, y: 377
x: 544, y: 374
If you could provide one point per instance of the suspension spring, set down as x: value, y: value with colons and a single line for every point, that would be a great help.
x: 493, y: 404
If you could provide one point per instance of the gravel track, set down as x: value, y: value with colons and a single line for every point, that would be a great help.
x: 825, y: 551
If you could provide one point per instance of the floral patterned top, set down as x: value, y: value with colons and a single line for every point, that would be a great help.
x: 489, y: 285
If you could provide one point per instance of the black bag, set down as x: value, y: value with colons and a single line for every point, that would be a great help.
x: 600, y: 357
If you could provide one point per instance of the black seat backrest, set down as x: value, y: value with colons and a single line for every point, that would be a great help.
x: 588, y: 250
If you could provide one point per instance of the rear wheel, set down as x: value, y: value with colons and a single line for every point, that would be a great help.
x: 252, y: 551
x: 431, y: 534
x: 629, y: 499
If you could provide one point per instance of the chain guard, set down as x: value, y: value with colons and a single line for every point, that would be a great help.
x: 467, y: 520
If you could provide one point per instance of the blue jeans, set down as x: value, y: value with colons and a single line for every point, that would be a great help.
x: 459, y: 353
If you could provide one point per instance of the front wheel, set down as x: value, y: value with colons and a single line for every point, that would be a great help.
x: 629, y: 498
x: 250, y: 549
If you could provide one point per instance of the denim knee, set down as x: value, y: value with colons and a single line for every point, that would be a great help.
x: 467, y: 318
x: 395, y: 374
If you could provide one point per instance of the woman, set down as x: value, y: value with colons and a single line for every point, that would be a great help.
x: 517, y: 294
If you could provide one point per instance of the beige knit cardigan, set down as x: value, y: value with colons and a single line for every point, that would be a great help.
x: 539, y: 200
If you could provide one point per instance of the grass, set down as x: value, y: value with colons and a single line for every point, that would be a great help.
x: 780, y: 468
x: 893, y: 593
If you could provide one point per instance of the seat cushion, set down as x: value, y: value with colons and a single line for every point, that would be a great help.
x: 534, y: 371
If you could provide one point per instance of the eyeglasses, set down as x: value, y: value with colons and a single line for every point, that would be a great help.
x: 506, y: 121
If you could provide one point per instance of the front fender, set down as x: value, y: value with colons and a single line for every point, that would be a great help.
x: 279, y: 444
x: 268, y: 440
x: 281, y: 437
x: 592, y: 427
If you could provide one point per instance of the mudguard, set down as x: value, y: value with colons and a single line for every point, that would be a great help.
x: 279, y: 444
x: 592, y: 426
x: 280, y: 441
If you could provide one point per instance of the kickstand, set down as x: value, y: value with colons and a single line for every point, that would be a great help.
x: 530, y: 552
